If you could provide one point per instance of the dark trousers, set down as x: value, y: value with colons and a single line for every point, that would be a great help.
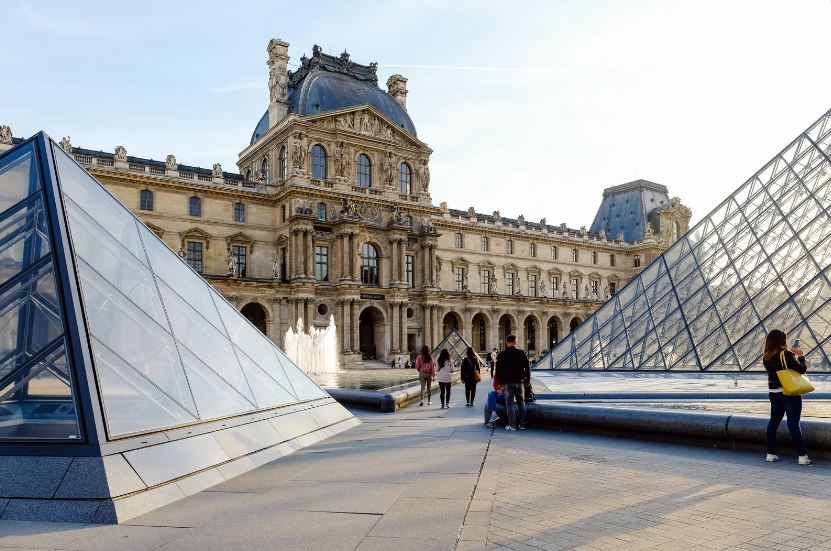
x: 470, y: 391
x: 444, y: 393
x: 779, y: 406
x: 515, y: 391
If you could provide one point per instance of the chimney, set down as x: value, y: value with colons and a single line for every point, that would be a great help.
x: 278, y: 80
x: 397, y: 87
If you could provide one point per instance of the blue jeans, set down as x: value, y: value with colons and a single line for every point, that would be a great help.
x: 493, y: 398
x: 779, y: 406
x: 515, y: 391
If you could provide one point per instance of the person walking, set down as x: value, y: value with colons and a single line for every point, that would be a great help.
x: 512, y: 370
x: 777, y: 357
x: 426, y: 368
x: 470, y: 375
x: 445, y: 377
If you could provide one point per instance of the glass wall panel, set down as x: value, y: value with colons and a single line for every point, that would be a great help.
x: 18, y: 176
x: 23, y: 237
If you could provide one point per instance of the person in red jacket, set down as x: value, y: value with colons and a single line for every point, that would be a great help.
x: 426, y: 367
x: 494, y: 396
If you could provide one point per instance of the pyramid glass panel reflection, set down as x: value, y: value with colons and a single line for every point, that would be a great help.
x: 760, y: 261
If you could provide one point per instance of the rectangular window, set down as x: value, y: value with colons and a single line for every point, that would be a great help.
x: 509, y: 283
x: 555, y: 286
x: 574, y: 255
x: 595, y: 292
x: 575, y: 288
x: 637, y: 261
x: 195, y: 206
x: 553, y: 252
x: 486, y: 282
x: 194, y: 257
x: 612, y: 260
x: 321, y: 263
x: 509, y: 246
x: 321, y: 212
x: 594, y: 257
x: 532, y: 285
x: 485, y: 244
x: 410, y: 268
x: 282, y: 213
x: 459, y: 277
x: 239, y: 212
x: 146, y: 199
x: 241, y: 252
x: 612, y: 287
x: 459, y: 241
x: 532, y: 250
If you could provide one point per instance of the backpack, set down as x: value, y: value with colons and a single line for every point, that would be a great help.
x: 529, y: 393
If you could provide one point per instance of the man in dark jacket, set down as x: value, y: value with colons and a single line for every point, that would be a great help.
x: 513, y: 370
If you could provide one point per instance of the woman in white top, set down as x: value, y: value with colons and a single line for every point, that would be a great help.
x: 445, y: 377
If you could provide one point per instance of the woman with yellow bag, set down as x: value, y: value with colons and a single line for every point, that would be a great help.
x: 786, y: 386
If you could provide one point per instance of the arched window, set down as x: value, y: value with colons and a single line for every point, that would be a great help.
x: 248, y: 175
x: 364, y: 169
x: 284, y: 163
x: 321, y: 211
x: 574, y: 255
x: 195, y: 206
x: 405, y: 179
x: 266, y: 175
x: 239, y: 212
x: 318, y: 162
x: 369, y: 264
x: 146, y: 199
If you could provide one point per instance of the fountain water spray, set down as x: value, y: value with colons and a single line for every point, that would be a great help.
x: 315, y: 351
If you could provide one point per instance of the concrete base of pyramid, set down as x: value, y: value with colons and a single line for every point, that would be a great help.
x: 124, y: 484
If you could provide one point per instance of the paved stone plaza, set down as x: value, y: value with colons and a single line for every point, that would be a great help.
x: 427, y: 479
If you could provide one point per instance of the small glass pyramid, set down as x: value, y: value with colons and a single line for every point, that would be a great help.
x: 95, y: 309
x: 456, y: 345
x: 760, y: 261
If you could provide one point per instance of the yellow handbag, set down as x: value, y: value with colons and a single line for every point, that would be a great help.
x: 793, y: 382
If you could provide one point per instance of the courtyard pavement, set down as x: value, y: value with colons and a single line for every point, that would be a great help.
x: 430, y: 479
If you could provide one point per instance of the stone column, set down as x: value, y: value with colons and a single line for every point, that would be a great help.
x: 402, y: 264
x: 310, y: 316
x: 394, y: 333
x: 433, y: 275
x: 402, y: 317
x: 353, y: 257
x: 393, y: 249
x: 439, y: 329
x: 343, y: 323
x: 356, y: 343
x: 282, y: 317
x: 310, y: 254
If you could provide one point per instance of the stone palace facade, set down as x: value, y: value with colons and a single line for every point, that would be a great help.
x: 330, y: 214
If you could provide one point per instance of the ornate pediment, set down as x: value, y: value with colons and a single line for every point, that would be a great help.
x: 366, y: 121
x: 196, y: 234
x: 460, y: 261
x: 240, y: 238
x: 533, y: 269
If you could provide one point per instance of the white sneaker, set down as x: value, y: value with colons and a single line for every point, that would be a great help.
x: 804, y: 460
x: 509, y: 427
x: 494, y: 418
x: 771, y: 458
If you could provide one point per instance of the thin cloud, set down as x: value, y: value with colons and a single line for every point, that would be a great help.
x: 472, y: 68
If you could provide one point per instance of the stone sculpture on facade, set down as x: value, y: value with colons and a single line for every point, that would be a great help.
x: 565, y: 290
x: 275, y: 268
x: 120, y: 153
x: 471, y: 213
x: 542, y: 289
x: 232, y: 264
x: 170, y: 163
x: 341, y: 159
x: 217, y: 170
x: 606, y: 294
x: 493, y: 282
x: 585, y: 292
x: 520, y: 220
x: 5, y: 134
x: 543, y: 223
x: 65, y: 144
x: 423, y: 173
x: 389, y: 169
x: 518, y: 290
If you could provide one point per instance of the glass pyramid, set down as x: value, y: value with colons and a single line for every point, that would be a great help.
x: 760, y: 261
x: 456, y: 345
x: 97, y: 312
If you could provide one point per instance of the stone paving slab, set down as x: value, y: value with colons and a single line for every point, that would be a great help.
x: 426, y: 479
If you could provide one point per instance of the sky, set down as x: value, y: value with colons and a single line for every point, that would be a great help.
x: 530, y: 108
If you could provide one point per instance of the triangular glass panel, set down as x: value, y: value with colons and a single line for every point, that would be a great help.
x: 213, y: 396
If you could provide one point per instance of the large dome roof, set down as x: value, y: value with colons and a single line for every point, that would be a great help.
x: 327, y: 83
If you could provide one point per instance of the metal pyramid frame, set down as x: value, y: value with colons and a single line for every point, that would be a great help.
x: 760, y: 260
x: 456, y: 345
x: 120, y: 367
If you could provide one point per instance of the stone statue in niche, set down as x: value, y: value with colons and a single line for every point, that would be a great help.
x: 586, y: 292
x: 389, y: 169
x: 518, y: 289
x: 396, y: 215
x: 341, y: 159
x: 606, y: 294
x: 542, y: 289
x: 232, y: 264
x: 493, y: 284
x: 170, y: 163
x: 217, y: 173
x: 120, y: 153
x: 275, y: 268
x: 594, y: 294
x: 565, y: 290
x: 465, y: 286
x: 423, y: 173
x: 5, y: 134
x: 298, y: 151
x: 65, y: 144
